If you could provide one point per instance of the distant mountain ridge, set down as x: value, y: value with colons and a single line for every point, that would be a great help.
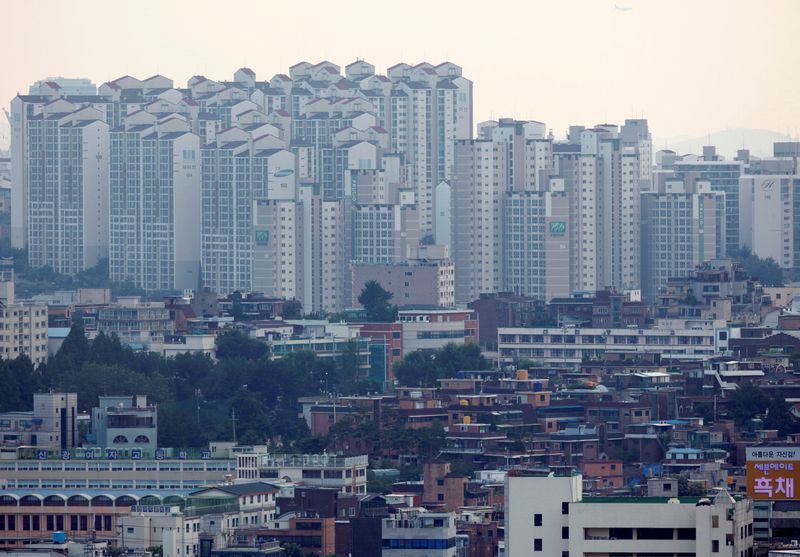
x: 727, y: 142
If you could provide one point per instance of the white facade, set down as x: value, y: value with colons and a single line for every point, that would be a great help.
x: 478, y: 193
x: 167, y: 527
x: 67, y: 188
x: 571, y: 346
x: 767, y: 213
x: 155, y: 205
x: 346, y: 473
x: 24, y: 324
x: 550, y: 516
x: 417, y: 533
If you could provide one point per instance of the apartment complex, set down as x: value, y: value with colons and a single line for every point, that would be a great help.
x: 683, y: 226
x: 24, y: 322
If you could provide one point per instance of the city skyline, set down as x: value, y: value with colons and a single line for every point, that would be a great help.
x: 685, y: 89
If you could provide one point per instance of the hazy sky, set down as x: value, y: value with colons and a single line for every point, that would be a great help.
x: 691, y: 66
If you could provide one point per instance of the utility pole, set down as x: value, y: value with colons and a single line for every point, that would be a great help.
x: 197, y: 401
x: 233, y: 423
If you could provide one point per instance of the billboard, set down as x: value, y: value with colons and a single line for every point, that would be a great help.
x: 558, y: 228
x: 262, y: 237
x: 773, y: 473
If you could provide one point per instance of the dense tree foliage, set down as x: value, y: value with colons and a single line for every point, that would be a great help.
x: 765, y: 270
x: 750, y: 401
x: 376, y: 302
x: 196, y: 396
x: 35, y: 280
x: 422, y: 369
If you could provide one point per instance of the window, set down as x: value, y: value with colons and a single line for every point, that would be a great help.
x: 565, y: 532
x: 565, y: 508
x: 715, y: 521
x: 714, y: 546
x: 537, y: 520
x: 537, y: 544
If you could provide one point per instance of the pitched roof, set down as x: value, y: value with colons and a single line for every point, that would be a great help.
x: 241, y: 489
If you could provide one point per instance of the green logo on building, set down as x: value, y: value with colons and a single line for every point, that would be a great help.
x: 262, y: 236
x: 558, y: 228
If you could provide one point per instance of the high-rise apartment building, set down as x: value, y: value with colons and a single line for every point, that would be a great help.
x: 724, y: 177
x: 249, y: 222
x: 579, y: 173
x: 683, y: 226
x: 537, y: 243
x: 155, y: 203
x: 478, y: 192
x: 618, y: 214
x: 67, y: 180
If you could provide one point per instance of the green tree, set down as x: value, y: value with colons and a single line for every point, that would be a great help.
x: 689, y: 489
x: 748, y: 402
x: 765, y: 270
x: 779, y: 416
x: 292, y: 550
x: 375, y: 300
x: 74, y: 351
x: 236, y: 344
x: 423, y: 369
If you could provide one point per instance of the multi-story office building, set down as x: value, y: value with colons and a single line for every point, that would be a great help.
x: 155, y: 203
x: 432, y: 329
x: 52, y: 423
x: 136, y: 322
x: 67, y: 181
x: 110, y: 468
x: 123, y: 422
x: 683, y: 226
x: 551, y: 516
x: 164, y: 526
x: 415, y: 282
x: 346, y: 473
x: 769, y: 210
x: 568, y: 346
x: 28, y: 516
x: 413, y: 532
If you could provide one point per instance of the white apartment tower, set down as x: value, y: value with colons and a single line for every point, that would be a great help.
x: 66, y: 195
x: 249, y: 222
x: 579, y: 173
x: 430, y: 108
x: 155, y: 203
x: 478, y: 192
x: 618, y: 215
